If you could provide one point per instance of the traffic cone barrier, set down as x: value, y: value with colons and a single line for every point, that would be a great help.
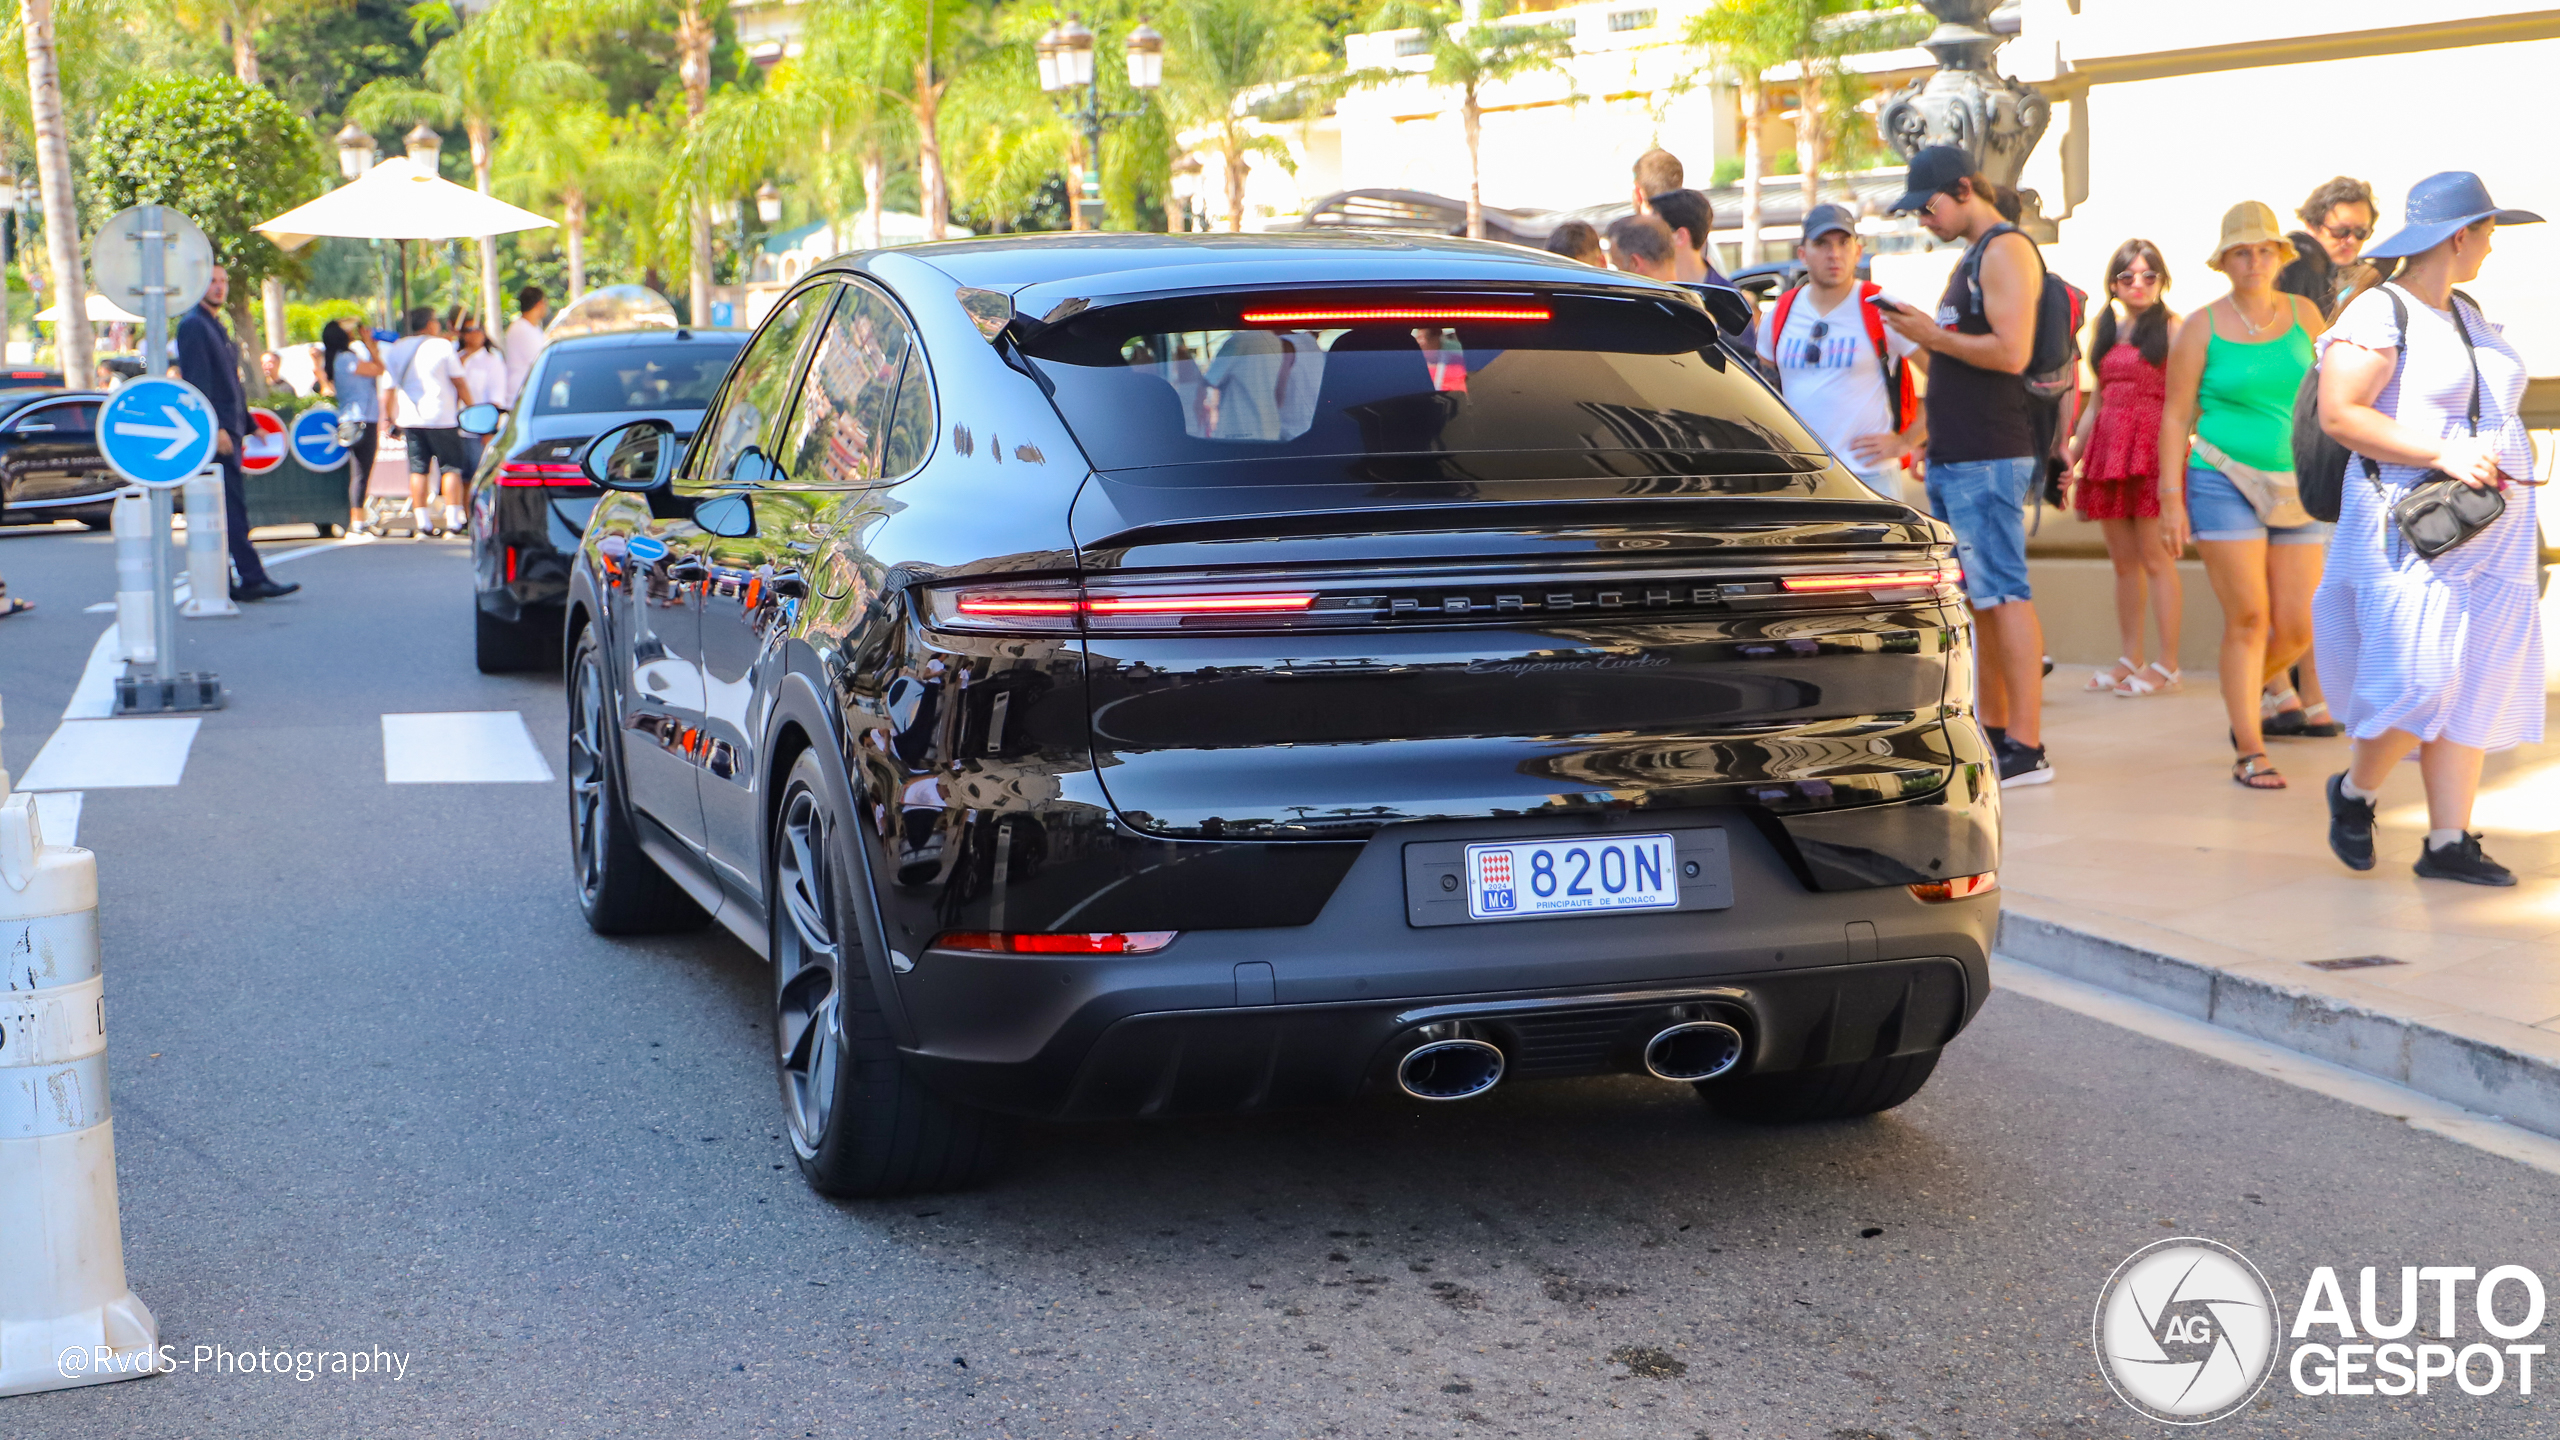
x: 66, y: 1315
x: 208, y: 548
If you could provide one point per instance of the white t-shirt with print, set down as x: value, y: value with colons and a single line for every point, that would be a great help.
x: 423, y: 369
x: 1835, y: 381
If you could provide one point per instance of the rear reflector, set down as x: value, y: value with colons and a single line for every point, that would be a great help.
x: 526, y: 472
x: 1436, y: 314
x: 1961, y: 888
x: 1134, y: 942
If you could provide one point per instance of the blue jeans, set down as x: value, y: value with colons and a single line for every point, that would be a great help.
x: 1985, y: 502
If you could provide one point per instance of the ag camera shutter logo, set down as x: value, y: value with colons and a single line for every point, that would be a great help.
x: 2186, y: 1331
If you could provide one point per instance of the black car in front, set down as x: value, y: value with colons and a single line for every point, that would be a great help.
x: 1155, y: 676
x: 528, y: 500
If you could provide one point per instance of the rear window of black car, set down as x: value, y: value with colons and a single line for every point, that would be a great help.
x: 1223, y: 379
x: 667, y: 375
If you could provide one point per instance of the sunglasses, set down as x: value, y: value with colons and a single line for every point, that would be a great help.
x: 2358, y: 233
x: 2137, y: 277
x: 1821, y: 331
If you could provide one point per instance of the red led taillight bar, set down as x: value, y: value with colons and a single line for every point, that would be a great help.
x: 1412, y: 314
x: 1133, y: 942
x: 526, y: 472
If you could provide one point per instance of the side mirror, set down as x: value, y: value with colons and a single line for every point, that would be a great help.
x: 634, y: 457
x: 1731, y: 309
x: 481, y: 419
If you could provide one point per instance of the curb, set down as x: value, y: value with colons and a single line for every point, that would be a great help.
x: 2496, y: 1067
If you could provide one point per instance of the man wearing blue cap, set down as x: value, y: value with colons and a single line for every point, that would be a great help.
x: 1839, y: 367
x: 1984, y: 442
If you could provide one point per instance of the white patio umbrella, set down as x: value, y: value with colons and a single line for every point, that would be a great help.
x: 397, y: 200
x: 102, y: 311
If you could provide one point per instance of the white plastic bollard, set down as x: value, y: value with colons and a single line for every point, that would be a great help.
x: 66, y: 1315
x: 130, y: 517
x: 208, y: 549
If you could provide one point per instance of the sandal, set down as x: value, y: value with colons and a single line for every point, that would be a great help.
x: 9, y: 607
x: 2109, y: 679
x: 2316, y: 724
x: 2249, y: 770
x: 2135, y: 687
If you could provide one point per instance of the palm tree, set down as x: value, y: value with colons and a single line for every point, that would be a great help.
x: 1471, y: 56
x: 480, y: 76
x: 237, y: 23
x: 1755, y: 36
x: 574, y: 157
x: 72, y: 339
x: 1751, y: 36
x: 1219, y: 53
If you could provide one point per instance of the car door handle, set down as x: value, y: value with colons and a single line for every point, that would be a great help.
x: 32, y: 429
x: 687, y: 567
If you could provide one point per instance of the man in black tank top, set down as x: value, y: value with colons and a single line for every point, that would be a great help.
x: 1983, y: 461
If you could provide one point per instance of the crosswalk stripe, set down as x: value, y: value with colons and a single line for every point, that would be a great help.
x: 463, y: 747
x: 113, y: 754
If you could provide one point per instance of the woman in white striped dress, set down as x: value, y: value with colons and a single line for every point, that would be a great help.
x: 2442, y: 656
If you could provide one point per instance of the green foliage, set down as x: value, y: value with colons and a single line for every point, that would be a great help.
x: 224, y: 154
x: 317, y: 62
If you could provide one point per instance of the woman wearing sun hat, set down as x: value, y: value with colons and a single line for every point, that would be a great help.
x: 2442, y: 656
x: 2227, y: 427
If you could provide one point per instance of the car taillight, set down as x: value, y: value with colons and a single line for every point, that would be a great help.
x: 1946, y: 573
x: 1062, y: 607
x: 511, y: 564
x: 1399, y: 315
x: 1131, y: 942
x: 1960, y: 888
x: 527, y: 472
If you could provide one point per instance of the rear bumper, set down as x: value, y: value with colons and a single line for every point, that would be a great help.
x: 1227, y: 1020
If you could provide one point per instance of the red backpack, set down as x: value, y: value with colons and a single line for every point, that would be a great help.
x: 1897, y: 374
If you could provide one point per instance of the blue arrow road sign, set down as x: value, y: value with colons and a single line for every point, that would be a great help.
x: 315, y: 439
x: 156, y: 432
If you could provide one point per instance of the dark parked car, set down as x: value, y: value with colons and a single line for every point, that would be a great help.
x: 528, y: 499
x: 1145, y: 675
x: 50, y: 468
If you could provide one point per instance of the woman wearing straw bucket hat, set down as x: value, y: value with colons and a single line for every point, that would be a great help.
x: 2227, y: 428
x: 2437, y: 652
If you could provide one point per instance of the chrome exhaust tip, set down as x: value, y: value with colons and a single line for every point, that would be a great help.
x: 1449, y: 1070
x: 1696, y: 1050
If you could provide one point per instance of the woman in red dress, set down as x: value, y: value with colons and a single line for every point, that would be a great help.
x: 2115, y: 464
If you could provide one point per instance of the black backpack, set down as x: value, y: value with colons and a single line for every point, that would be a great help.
x: 2319, y: 462
x: 2052, y: 366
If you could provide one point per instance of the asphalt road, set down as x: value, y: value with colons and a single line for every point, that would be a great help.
x: 377, y: 1086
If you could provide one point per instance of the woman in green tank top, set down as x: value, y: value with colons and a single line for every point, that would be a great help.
x: 2228, y: 429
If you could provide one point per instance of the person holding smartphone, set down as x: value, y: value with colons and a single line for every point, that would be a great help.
x: 1841, y: 368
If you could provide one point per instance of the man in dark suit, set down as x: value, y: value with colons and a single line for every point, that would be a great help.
x: 210, y: 362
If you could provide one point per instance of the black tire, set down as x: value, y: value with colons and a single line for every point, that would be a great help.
x: 506, y: 647
x: 620, y: 890
x: 859, y: 1121
x: 1834, y: 1092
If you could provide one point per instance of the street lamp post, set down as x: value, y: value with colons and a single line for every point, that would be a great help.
x: 356, y: 154
x: 424, y: 147
x: 1066, y: 66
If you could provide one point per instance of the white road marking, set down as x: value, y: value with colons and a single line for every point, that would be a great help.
x: 113, y: 754
x: 94, y: 698
x: 58, y: 816
x: 2420, y: 1112
x: 464, y: 747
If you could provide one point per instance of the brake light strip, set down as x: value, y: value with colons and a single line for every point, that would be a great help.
x: 1396, y: 313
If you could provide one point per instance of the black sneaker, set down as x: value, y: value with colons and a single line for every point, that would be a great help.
x: 2350, y: 826
x: 2023, y: 764
x: 1998, y: 736
x: 2462, y: 861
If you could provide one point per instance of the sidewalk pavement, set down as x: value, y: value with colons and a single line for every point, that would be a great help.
x: 2144, y: 869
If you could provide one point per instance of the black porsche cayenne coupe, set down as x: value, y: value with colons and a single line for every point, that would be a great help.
x: 1147, y: 675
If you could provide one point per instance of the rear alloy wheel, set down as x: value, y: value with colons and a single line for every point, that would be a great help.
x: 505, y: 647
x: 1834, y: 1092
x: 621, y: 890
x: 860, y: 1122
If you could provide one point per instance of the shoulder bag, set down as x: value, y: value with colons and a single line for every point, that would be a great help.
x: 2439, y: 512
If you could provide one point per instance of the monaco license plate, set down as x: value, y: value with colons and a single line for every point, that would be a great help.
x: 1526, y: 879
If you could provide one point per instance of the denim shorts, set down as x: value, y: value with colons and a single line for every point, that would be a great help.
x: 2216, y: 510
x: 1985, y: 502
